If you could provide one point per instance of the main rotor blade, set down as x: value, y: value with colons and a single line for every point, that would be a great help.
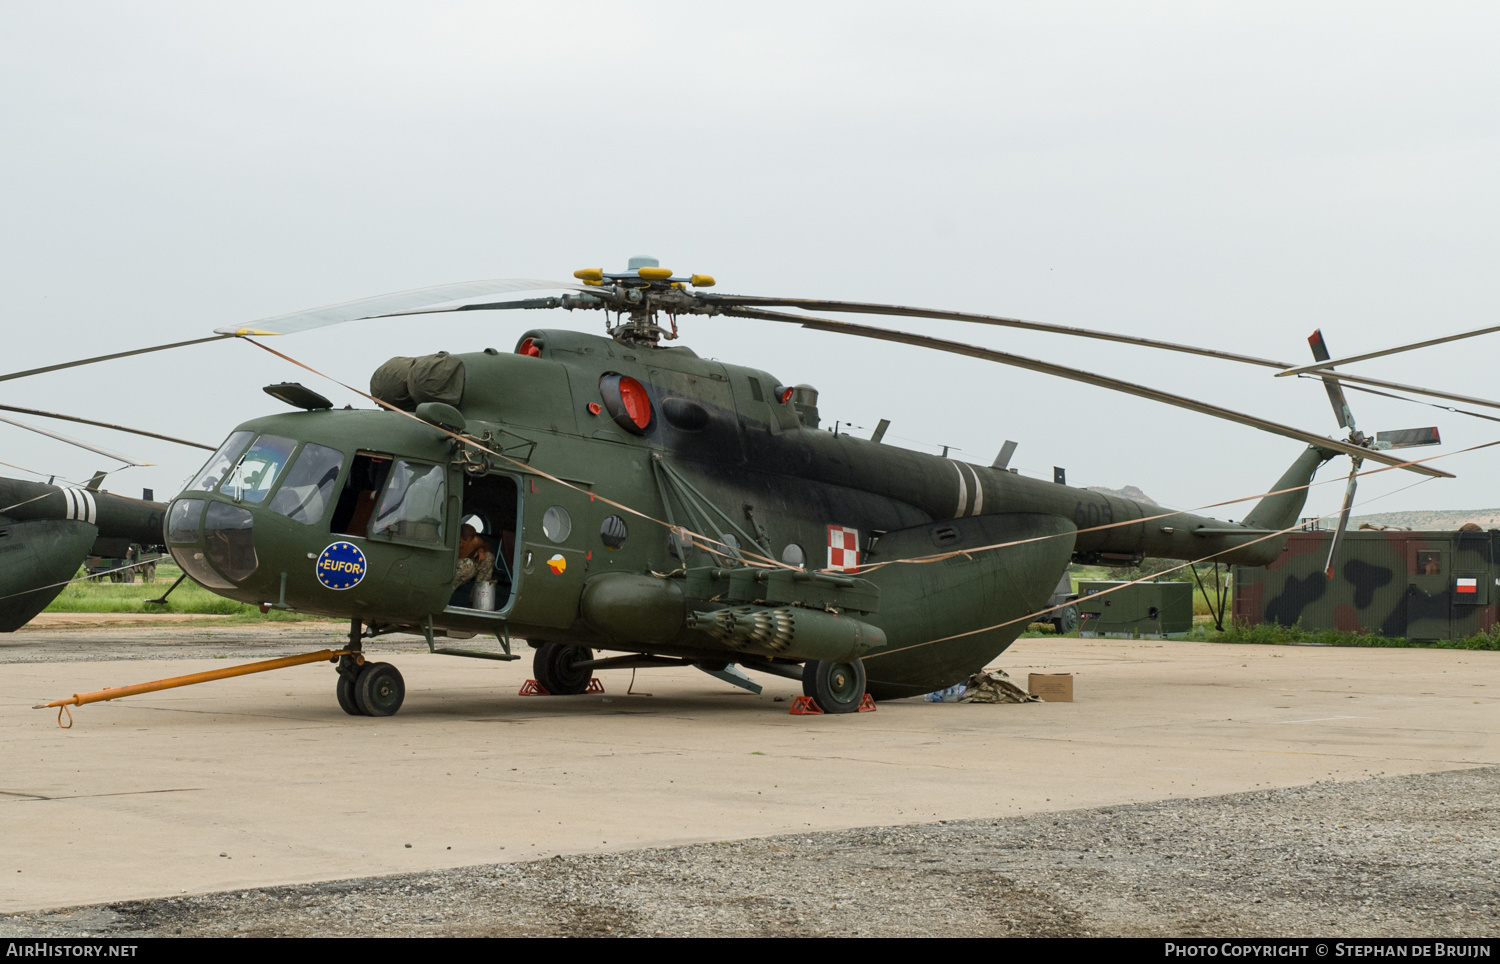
x: 1088, y: 378
x: 487, y: 306
x: 1418, y: 401
x: 117, y: 428
x: 1414, y: 389
x: 104, y: 358
x: 1318, y: 369
x: 1388, y: 351
x: 71, y: 441
x: 408, y: 302
x: 1338, y: 534
x: 1335, y: 391
x: 903, y: 311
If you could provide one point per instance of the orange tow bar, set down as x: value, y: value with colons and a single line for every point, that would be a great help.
x: 114, y: 693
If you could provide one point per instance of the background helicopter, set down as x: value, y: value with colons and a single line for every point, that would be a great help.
x: 641, y: 499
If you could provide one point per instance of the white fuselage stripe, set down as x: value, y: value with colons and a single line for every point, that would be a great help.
x: 963, y: 490
x: 978, y: 490
x: 81, y: 506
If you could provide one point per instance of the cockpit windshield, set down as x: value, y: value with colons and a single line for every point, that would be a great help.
x: 220, y: 463
x: 255, y: 472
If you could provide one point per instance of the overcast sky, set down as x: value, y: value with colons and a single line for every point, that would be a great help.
x: 1231, y: 176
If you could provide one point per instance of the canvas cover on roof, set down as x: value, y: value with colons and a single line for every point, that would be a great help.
x: 436, y: 378
x: 408, y: 382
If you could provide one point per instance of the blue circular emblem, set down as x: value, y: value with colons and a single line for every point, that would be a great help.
x: 341, y: 566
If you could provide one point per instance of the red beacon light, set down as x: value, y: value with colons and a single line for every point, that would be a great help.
x: 627, y: 401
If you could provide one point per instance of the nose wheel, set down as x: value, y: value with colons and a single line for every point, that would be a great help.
x: 377, y: 689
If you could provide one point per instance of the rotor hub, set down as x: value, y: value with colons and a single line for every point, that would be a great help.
x: 639, y: 296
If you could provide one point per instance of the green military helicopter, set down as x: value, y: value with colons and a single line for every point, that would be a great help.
x: 48, y: 530
x: 616, y: 492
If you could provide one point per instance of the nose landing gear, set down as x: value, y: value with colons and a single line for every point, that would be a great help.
x: 374, y: 689
x: 367, y: 689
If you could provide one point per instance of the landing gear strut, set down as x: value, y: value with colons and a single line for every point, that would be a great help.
x: 837, y: 687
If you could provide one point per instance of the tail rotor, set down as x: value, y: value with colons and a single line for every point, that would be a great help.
x: 1397, y: 439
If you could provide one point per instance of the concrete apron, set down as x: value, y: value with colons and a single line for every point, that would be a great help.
x: 262, y: 780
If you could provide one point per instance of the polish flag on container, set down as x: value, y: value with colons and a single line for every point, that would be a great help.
x: 1468, y: 585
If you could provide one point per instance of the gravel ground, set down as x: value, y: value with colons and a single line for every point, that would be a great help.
x: 1399, y: 856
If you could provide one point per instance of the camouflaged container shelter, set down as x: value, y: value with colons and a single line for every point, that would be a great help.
x: 1418, y: 585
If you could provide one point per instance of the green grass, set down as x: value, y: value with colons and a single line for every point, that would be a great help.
x: 1294, y: 635
x: 103, y: 596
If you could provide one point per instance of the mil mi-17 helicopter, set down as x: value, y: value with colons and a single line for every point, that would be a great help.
x: 634, y: 497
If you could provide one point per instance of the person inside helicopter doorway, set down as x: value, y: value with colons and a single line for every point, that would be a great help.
x: 475, y: 562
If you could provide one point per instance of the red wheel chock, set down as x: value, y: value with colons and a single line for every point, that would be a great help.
x: 533, y: 688
x: 806, y: 706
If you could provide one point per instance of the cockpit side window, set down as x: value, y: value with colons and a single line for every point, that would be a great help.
x: 220, y: 462
x: 357, y: 502
x: 255, y: 473
x: 413, y: 505
x: 309, y: 484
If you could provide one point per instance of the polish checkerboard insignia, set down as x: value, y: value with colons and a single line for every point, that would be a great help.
x: 843, y: 549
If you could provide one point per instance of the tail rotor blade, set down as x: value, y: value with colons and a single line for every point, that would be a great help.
x: 1405, y: 438
x: 1338, y: 534
x: 1330, y: 385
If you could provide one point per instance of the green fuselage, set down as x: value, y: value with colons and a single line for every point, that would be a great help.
x: 722, y: 455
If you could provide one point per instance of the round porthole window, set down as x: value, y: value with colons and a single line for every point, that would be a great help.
x: 613, y: 532
x: 731, y: 548
x: 793, y: 555
x: 557, y: 525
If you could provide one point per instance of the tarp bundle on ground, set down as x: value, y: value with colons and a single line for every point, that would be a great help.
x: 982, y: 687
x: 408, y: 382
x: 994, y: 687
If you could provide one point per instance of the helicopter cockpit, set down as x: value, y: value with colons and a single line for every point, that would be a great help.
x: 287, y: 489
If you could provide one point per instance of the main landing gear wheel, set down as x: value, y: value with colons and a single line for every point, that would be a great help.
x: 553, y: 666
x: 347, y: 702
x: 379, y: 689
x: 835, y: 687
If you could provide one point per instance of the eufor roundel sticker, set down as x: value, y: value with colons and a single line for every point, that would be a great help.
x: 341, y: 566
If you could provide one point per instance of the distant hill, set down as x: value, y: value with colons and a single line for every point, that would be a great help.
x: 1131, y: 492
x: 1431, y: 519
